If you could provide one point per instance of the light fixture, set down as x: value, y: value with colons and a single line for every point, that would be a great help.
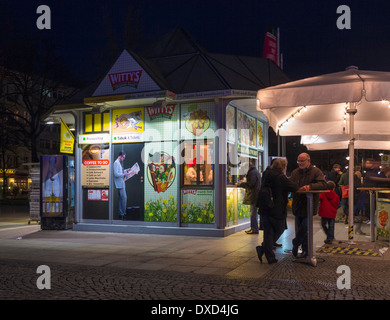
x: 292, y: 116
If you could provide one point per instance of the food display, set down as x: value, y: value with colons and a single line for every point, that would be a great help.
x: 161, y: 171
x: 198, y: 122
x: 383, y: 217
x: 123, y: 121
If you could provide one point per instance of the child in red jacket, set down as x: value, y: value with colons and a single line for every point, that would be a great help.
x: 329, y: 202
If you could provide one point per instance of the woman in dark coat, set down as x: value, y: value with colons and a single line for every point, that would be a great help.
x: 274, y: 219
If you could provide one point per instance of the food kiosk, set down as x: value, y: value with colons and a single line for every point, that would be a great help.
x: 185, y: 149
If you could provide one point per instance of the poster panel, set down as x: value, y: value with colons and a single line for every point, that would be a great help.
x: 197, y: 206
x: 231, y: 124
x: 244, y: 210
x: 161, y: 123
x: 133, y: 185
x: 260, y: 135
x: 128, y: 125
x: 246, y: 126
x: 198, y: 121
x: 95, y: 165
x: 382, y: 219
x: 160, y: 182
x: 231, y: 204
x: 52, y: 186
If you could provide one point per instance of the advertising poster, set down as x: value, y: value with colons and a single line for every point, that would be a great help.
x: 133, y: 202
x: 231, y: 204
x: 160, y: 183
x: 260, y: 135
x: 161, y: 123
x: 243, y: 210
x: 52, y: 186
x: 197, y: 206
x: 97, y: 194
x: 246, y: 126
x: 383, y: 209
x: 197, y: 121
x: 128, y: 125
x: 231, y: 124
x: 95, y: 165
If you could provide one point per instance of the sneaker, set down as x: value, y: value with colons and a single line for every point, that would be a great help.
x: 328, y: 241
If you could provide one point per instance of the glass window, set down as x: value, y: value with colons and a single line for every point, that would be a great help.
x: 244, y: 163
x: 198, y: 163
x: 232, y: 164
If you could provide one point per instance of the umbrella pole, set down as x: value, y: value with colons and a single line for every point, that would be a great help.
x: 351, y: 111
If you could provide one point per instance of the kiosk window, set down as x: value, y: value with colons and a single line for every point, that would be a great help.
x: 232, y: 164
x: 244, y: 163
x: 198, y: 163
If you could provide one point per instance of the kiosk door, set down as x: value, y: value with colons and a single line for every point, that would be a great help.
x: 134, y: 184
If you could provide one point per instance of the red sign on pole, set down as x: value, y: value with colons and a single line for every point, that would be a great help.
x: 270, y: 50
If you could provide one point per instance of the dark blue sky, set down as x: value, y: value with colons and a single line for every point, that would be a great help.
x: 311, y: 43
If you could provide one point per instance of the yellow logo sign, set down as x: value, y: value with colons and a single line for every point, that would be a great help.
x: 67, y: 139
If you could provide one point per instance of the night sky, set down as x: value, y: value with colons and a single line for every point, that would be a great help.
x: 90, y: 34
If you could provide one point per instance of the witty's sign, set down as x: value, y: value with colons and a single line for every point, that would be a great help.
x: 163, y: 112
x: 125, y: 79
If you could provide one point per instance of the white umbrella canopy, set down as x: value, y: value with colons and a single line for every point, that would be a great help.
x: 350, y: 102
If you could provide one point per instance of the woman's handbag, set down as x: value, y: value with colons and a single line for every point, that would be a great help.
x: 344, y: 192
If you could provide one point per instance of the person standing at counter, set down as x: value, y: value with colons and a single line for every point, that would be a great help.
x: 252, y: 188
x: 307, y: 177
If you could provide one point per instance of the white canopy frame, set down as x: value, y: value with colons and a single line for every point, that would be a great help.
x: 348, y: 103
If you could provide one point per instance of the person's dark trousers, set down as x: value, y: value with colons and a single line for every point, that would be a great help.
x: 254, y: 218
x: 328, y: 227
x: 301, y: 233
x: 345, y: 205
x: 273, y: 229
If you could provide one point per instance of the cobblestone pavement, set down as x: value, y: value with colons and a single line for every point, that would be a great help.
x: 288, y: 280
x: 89, y: 266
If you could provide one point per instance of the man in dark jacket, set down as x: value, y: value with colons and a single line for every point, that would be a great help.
x: 307, y: 178
x: 252, y: 188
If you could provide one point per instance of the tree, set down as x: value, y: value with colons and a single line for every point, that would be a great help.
x: 33, y: 80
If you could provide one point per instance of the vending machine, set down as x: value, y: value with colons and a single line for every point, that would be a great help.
x: 57, y: 192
